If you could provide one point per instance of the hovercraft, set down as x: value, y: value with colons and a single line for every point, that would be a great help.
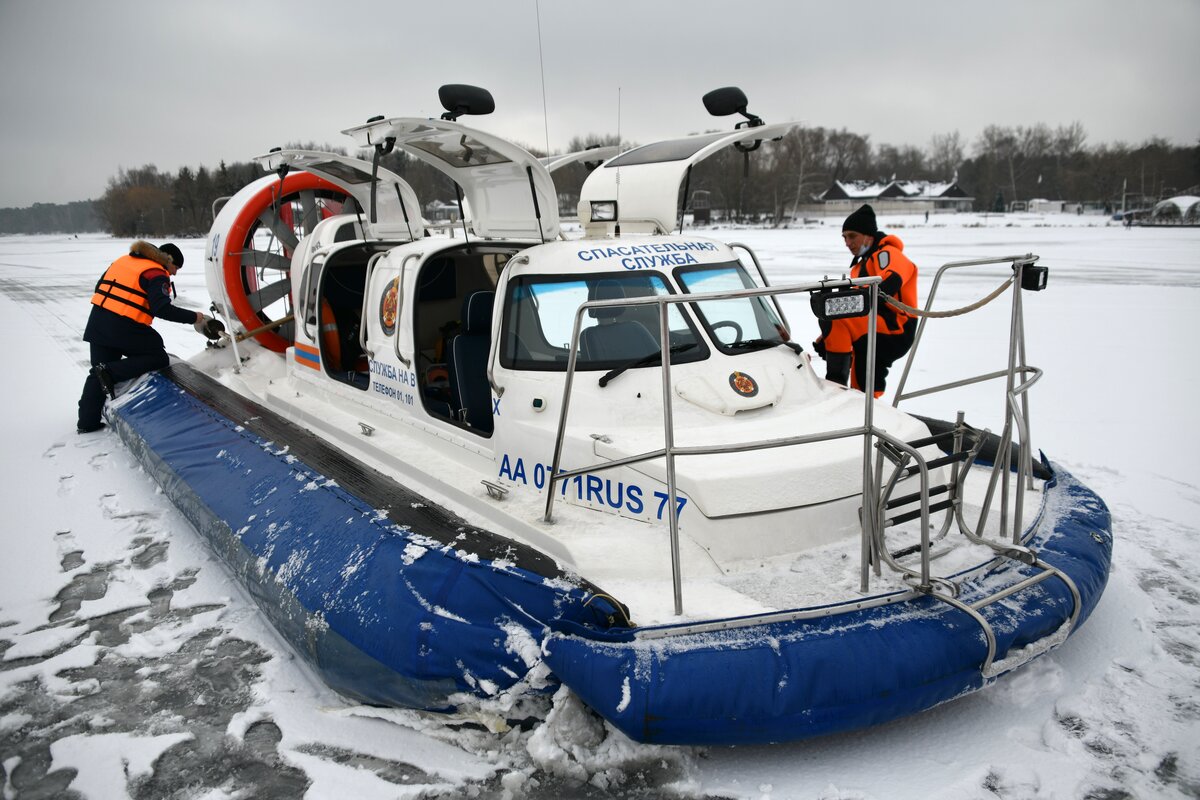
x: 442, y: 465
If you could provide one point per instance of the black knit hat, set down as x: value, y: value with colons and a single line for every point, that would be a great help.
x: 861, y: 221
x: 177, y: 255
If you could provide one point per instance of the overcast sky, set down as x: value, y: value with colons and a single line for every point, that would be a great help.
x: 91, y: 86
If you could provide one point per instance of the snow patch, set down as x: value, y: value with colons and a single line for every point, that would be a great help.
x: 625, y: 696
x: 105, y: 763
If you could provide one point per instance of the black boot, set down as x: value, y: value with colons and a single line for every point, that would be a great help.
x: 837, y: 368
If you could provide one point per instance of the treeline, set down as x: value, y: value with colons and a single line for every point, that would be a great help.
x: 1003, y: 164
x: 77, y: 217
x: 772, y: 183
x: 146, y: 202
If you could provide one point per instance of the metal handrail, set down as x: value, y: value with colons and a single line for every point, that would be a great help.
x: 1022, y: 260
x: 923, y: 470
x: 302, y: 300
x: 669, y: 451
x: 1013, y: 416
x: 362, y: 328
x: 871, y: 520
x: 399, y: 305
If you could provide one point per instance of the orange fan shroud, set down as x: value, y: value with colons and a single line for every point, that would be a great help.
x: 240, y: 280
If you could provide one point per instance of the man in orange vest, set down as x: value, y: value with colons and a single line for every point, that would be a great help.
x: 843, y: 342
x: 134, y: 290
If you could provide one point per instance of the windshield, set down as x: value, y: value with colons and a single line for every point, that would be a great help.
x: 738, y: 324
x: 540, y: 314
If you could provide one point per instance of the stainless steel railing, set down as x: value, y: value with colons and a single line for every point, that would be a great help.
x: 670, y: 451
x: 871, y: 522
x: 1016, y: 394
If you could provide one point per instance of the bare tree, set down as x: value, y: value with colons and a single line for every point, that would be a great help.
x: 847, y: 154
x: 1068, y: 140
x: 903, y: 162
x: 1036, y: 141
x: 1004, y: 146
x: 801, y: 154
x: 946, y: 152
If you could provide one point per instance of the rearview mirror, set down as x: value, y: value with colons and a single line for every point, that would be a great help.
x: 725, y: 101
x: 460, y: 98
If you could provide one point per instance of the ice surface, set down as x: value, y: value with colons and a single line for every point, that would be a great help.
x: 132, y: 662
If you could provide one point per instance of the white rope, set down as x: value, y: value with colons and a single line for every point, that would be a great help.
x: 916, y: 312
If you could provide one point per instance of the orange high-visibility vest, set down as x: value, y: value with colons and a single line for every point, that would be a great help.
x: 889, y: 256
x: 119, y: 289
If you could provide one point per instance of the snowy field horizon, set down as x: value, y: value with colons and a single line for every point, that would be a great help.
x: 134, y: 664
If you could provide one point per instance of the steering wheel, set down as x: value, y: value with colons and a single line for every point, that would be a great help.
x: 728, y: 323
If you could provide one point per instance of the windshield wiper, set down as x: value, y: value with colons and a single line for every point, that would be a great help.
x: 753, y: 344
x: 763, y: 344
x: 644, y: 361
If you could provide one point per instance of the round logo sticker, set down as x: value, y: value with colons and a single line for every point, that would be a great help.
x: 743, y: 384
x: 387, y: 308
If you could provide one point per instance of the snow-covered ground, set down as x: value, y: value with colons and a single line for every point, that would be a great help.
x: 132, y: 664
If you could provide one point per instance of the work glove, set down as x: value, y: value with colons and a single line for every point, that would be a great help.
x: 891, y: 283
x: 819, y: 346
x: 209, y: 327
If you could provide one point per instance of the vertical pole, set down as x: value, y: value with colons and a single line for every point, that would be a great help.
x: 1024, y: 462
x: 1027, y: 442
x: 925, y: 583
x: 869, y: 512
x: 555, y: 462
x: 1009, y: 401
x: 960, y: 420
x: 1003, y: 459
x: 877, y: 532
x: 664, y: 334
x: 237, y: 357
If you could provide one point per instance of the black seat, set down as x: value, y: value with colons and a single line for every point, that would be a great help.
x: 470, y: 392
x: 613, y: 338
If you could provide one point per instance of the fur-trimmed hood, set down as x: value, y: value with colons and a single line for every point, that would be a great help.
x: 143, y: 249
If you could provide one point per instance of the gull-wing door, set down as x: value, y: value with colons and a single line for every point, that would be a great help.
x: 644, y: 182
x: 397, y: 209
x: 508, y: 192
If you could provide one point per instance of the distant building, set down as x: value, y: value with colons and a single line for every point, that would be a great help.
x: 701, y: 207
x: 439, y: 211
x: 1181, y: 210
x: 896, y: 197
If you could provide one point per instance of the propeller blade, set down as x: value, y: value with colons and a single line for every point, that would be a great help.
x: 311, y: 214
x: 269, y: 294
x: 283, y: 232
x: 261, y: 259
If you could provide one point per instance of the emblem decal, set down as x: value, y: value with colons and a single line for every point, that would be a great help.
x: 743, y: 384
x: 387, y: 308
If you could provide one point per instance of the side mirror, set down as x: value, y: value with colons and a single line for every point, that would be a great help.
x: 725, y: 101
x: 460, y: 98
x: 732, y: 100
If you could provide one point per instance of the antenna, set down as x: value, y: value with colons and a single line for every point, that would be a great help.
x: 542, y: 68
x: 617, y: 210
